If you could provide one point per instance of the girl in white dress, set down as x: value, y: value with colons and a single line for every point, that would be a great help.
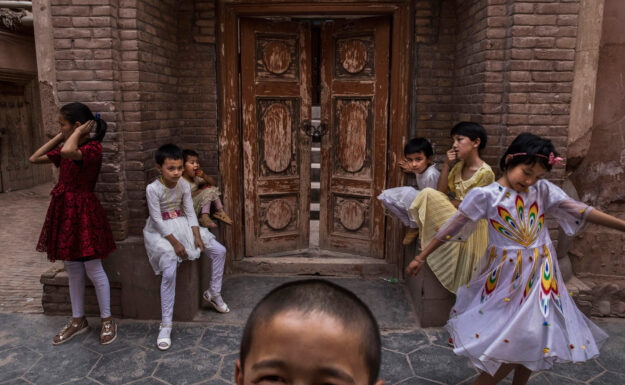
x: 172, y: 234
x: 516, y: 313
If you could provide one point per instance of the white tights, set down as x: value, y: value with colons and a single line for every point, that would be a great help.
x: 217, y: 254
x: 76, y: 274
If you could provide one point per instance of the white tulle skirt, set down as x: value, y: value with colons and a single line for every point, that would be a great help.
x: 519, y: 311
x: 161, y: 253
x: 398, y: 200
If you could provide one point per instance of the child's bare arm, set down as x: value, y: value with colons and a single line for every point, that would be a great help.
x: 197, y: 238
x: 417, y: 263
x: 443, y: 184
x: 607, y: 220
x: 39, y: 156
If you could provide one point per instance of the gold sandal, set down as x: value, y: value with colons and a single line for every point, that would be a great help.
x: 108, y: 333
x: 206, y: 221
x: 222, y: 216
x: 71, y: 329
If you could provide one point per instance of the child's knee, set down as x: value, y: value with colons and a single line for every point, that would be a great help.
x: 216, y: 249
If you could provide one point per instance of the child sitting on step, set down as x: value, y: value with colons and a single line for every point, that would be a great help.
x: 203, y: 190
x: 418, y: 160
x: 171, y: 235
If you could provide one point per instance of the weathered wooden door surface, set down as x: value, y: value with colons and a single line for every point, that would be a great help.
x: 16, y: 136
x: 355, y: 76
x: 275, y: 81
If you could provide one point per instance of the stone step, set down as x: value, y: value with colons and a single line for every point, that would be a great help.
x: 311, y: 263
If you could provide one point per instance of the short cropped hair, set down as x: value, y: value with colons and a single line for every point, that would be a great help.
x: 528, y: 149
x: 316, y: 295
x: 472, y: 131
x: 186, y: 153
x: 165, y: 151
x: 418, y: 145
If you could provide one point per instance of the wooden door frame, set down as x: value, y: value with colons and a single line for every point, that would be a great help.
x: 230, y: 148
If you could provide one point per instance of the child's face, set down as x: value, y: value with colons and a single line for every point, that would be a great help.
x: 418, y: 162
x: 66, y: 127
x: 522, y: 176
x: 191, y: 166
x: 464, y: 146
x: 171, y: 170
x: 304, y: 349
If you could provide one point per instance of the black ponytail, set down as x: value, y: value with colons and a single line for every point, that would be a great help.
x: 78, y: 112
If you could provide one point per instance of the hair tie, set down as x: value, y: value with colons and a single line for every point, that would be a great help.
x: 96, y: 116
x: 552, y: 159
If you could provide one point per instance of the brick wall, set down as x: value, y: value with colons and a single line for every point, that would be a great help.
x: 197, y: 88
x: 86, y: 44
x: 433, y: 109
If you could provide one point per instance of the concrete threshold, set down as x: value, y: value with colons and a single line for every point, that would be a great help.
x: 343, y: 266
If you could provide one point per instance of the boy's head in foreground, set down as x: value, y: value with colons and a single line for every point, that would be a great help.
x: 310, y: 332
x: 419, y: 153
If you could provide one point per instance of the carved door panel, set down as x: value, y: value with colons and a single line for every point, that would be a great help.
x: 275, y: 88
x: 355, y: 81
x: 16, y: 135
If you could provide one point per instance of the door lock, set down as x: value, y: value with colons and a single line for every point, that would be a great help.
x: 315, y: 129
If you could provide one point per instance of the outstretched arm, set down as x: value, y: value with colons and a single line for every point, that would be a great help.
x: 417, y: 263
x: 607, y: 220
x: 39, y: 156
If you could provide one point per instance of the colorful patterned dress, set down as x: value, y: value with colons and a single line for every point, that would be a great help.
x: 453, y: 263
x: 516, y: 309
x: 76, y: 228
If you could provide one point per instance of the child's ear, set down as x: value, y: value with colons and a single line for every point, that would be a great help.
x: 76, y: 125
x: 477, y: 142
x: 508, y: 157
x: 238, y: 373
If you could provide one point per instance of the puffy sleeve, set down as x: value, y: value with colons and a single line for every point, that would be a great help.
x: 464, y: 222
x: 91, y: 153
x: 152, y: 195
x: 570, y: 214
x: 431, y: 178
x: 55, y: 156
x: 187, y: 203
x: 485, y: 177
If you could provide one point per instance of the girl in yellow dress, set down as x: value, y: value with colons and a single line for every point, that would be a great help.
x: 454, y: 262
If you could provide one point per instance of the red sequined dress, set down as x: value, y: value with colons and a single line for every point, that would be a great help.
x: 76, y: 227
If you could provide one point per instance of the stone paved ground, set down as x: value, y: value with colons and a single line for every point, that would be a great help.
x: 21, y: 217
x: 205, y: 353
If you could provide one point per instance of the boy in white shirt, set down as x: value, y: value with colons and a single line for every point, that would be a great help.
x: 418, y: 160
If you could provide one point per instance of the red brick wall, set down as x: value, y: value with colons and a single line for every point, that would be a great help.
x: 148, y: 31
x: 86, y: 46
x: 433, y: 109
x: 197, y: 90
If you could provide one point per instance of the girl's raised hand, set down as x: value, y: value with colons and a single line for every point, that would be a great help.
x: 405, y: 166
x: 86, y: 127
x: 452, y: 156
x: 199, y: 173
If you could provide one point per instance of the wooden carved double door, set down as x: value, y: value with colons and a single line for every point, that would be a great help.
x: 276, y: 88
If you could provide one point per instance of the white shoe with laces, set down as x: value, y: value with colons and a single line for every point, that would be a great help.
x: 216, y: 301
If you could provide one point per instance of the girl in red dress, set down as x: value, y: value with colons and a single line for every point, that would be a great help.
x: 75, y: 229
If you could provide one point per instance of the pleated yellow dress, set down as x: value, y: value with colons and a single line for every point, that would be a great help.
x: 453, y: 262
